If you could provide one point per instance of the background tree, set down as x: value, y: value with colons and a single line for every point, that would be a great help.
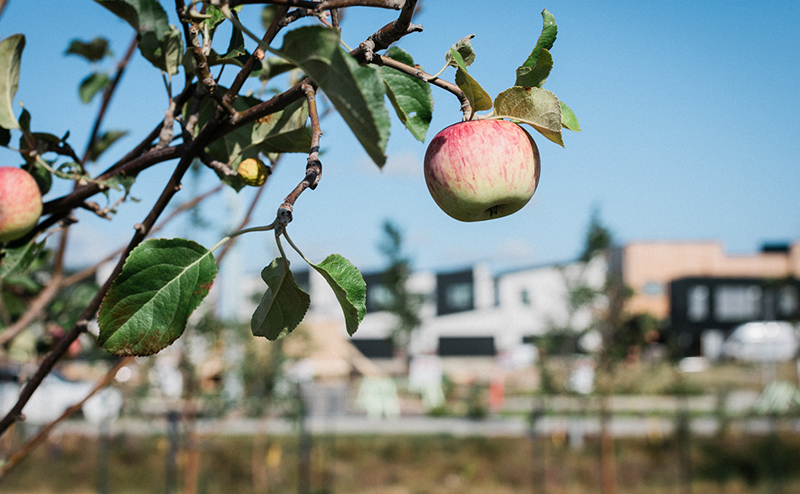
x: 401, y: 302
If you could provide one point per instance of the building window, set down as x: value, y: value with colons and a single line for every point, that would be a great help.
x: 374, y: 347
x: 697, y: 309
x: 788, y: 303
x: 459, y: 296
x: 379, y: 297
x: 737, y: 303
x: 525, y: 297
x: 454, y: 292
x: 476, y: 346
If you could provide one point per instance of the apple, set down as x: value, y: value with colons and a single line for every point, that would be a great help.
x: 20, y: 203
x: 482, y: 169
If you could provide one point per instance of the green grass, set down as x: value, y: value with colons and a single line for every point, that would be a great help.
x: 404, y: 465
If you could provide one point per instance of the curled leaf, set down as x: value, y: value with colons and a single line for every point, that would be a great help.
x: 284, y: 304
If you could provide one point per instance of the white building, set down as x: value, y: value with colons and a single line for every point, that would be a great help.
x: 470, y: 312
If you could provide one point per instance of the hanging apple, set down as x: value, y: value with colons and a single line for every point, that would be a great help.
x: 482, y: 169
x: 20, y: 203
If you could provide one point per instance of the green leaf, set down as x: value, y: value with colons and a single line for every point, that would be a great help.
x: 356, y: 91
x: 535, y: 106
x: 216, y: 17
x: 149, y: 20
x: 410, y: 97
x: 94, y: 83
x: 464, y: 48
x: 349, y: 287
x: 478, y: 98
x: 546, y: 39
x: 284, y: 304
x: 281, y: 132
x: 162, y: 282
x: 568, y: 119
x: 172, y: 50
x: 43, y: 177
x: 93, y: 51
x: 5, y: 136
x: 17, y: 260
x: 102, y: 143
x: 537, y: 75
x: 274, y: 66
x: 268, y: 14
x: 10, y: 55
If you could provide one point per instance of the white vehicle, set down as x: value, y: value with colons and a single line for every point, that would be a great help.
x: 763, y: 341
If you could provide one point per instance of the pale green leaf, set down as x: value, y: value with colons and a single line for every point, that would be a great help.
x: 172, y: 50
x: 284, y: 304
x: 464, y: 48
x: 535, y: 106
x: 10, y: 55
x: 478, y: 98
x: 568, y: 119
x: 147, y: 307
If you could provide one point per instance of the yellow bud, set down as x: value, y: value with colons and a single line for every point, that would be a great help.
x: 253, y: 172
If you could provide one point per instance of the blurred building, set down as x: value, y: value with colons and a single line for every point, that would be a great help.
x: 698, y: 287
x: 468, y: 313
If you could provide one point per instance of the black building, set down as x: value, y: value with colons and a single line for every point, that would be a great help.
x: 701, y: 303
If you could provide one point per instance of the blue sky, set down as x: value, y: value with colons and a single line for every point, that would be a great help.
x: 688, y: 111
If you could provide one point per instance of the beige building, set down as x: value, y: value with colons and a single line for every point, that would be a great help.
x: 649, y: 267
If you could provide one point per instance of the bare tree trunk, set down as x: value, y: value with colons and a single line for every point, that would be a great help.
x: 608, y: 462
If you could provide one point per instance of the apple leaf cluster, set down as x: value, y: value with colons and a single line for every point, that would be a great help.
x: 157, y: 283
x: 526, y: 101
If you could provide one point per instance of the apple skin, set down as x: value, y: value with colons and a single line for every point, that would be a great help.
x: 20, y: 203
x: 482, y: 169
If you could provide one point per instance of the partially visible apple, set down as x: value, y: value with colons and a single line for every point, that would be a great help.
x: 482, y: 169
x: 20, y: 203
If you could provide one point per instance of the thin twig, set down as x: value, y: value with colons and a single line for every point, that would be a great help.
x: 26, y: 448
x: 313, y: 165
x: 256, y: 57
x: 107, y: 94
x: 466, y: 108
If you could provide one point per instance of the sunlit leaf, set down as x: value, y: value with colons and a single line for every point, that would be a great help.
x: 161, y: 284
x: 535, y: 106
x: 284, y: 304
x: 172, y: 50
x: 349, y: 287
x: 464, y: 48
x: 568, y: 119
x: 478, y: 98
x: 10, y: 55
